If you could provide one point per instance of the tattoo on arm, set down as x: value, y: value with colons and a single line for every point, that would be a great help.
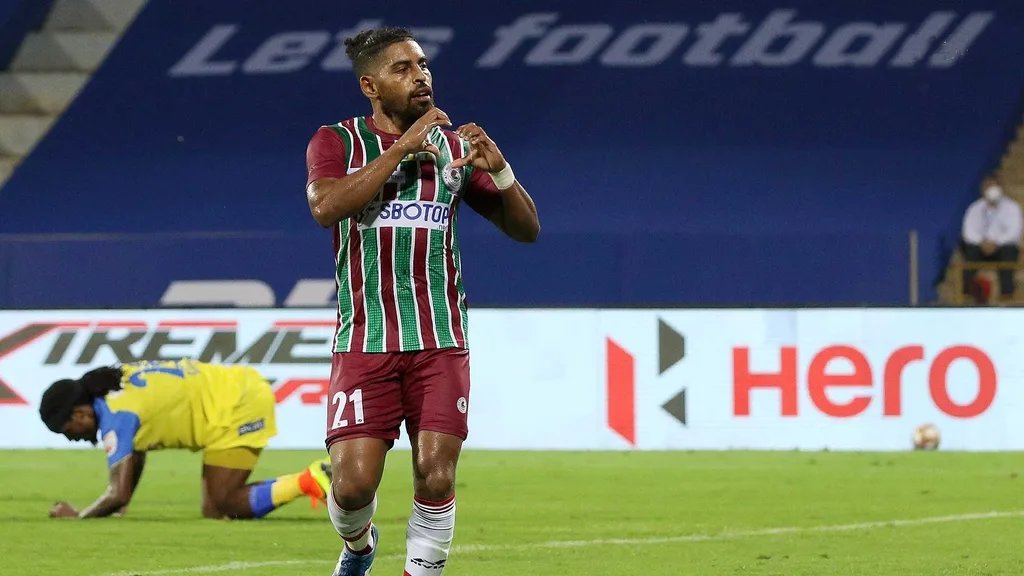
x: 118, y: 493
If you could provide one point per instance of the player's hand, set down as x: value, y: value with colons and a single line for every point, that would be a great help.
x: 63, y: 510
x: 415, y: 138
x: 483, y: 152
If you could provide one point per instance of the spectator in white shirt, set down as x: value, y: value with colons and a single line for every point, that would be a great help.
x: 992, y: 233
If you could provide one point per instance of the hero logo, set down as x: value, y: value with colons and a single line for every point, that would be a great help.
x: 859, y: 375
x: 780, y: 39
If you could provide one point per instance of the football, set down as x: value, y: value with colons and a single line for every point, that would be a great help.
x: 926, y: 437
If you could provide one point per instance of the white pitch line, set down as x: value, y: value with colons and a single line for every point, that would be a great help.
x: 230, y: 566
x: 558, y: 544
x: 734, y: 535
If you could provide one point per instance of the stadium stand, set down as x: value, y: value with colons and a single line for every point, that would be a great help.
x: 17, y: 18
x: 1011, y: 174
x: 691, y: 156
x: 51, y: 47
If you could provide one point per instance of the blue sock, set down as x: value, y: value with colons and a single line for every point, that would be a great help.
x: 260, y: 499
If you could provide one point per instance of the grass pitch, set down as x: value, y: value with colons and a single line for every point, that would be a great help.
x: 539, y: 513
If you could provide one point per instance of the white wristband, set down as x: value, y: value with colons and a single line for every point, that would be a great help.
x: 503, y: 178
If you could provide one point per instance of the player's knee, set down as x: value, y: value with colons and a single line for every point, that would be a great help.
x: 211, y: 511
x: 352, y: 498
x: 352, y: 491
x: 435, y: 483
x: 228, y: 504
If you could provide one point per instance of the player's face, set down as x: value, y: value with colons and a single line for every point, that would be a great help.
x: 404, y: 81
x: 81, y: 425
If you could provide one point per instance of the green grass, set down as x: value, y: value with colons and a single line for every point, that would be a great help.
x: 514, y: 507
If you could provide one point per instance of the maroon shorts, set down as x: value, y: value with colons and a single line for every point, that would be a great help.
x: 371, y: 393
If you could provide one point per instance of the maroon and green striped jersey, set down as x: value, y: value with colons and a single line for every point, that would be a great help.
x: 399, y: 274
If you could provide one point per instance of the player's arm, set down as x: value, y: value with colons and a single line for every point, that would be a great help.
x: 125, y: 464
x: 333, y: 194
x: 123, y: 479
x: 494, y: 192
x: 139, y: 459
x: 119, y: 492
x: 512, y: 210
x: 140, y: 463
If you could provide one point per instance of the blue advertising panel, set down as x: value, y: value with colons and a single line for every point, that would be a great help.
x: 707, y: 154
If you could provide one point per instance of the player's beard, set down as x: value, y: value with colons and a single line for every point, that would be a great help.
x: 417, y: 109
x: 406, y: 113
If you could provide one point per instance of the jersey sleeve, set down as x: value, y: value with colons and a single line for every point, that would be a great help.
x: 482, y: 195
x: 326, y: 156
x: 118, y: 434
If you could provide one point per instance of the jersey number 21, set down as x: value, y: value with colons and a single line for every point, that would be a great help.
x: 341, y: 400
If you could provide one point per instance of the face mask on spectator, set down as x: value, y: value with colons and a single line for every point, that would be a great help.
x: 993, y: 193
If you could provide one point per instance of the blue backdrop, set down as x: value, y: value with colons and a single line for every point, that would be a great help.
x: 711, y: 154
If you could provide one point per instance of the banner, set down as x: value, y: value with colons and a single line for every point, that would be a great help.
x: 777, y: 154
x: 841, y: 379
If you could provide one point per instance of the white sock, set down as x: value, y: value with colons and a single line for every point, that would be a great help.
x: 353, y: 526
x: 429, y: 536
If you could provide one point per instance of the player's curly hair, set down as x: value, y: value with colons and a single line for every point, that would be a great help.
x: 364, y: 48
x: 99, y: 382
x: 60, y: 399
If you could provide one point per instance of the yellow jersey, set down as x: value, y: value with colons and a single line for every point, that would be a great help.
x: 185, y: 404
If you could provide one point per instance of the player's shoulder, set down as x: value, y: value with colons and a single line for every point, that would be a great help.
x: 127, y: 398
x: 328, y: 131
x: 123, y: 405
x: 335, y: 127
x: 332, y: 134
x: 117, y: 421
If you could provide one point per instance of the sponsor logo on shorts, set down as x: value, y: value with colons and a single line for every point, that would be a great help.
x: 250, y: 427
x: 462, y: 405
x: 405, y: 214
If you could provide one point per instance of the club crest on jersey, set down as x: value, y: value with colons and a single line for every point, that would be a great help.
x: 452, y: 178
